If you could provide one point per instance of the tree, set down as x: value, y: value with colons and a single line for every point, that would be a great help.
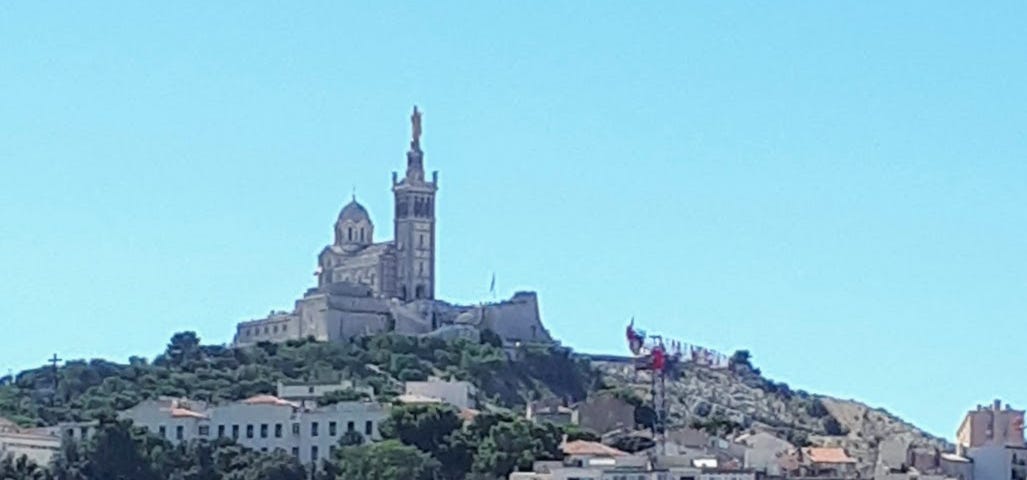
x: 423, y: 426
x: 183, y: 349
x: 21, y: 468
x: 344, y: 395
x: 113, y: 454
x: 515, y: 445
x: 575, y: 432
x: 387, y: 460
x: 351, y: 438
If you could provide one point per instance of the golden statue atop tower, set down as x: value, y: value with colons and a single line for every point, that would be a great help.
x: 415, y: 123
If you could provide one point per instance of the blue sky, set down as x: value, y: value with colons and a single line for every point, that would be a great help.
x: 837, y: 186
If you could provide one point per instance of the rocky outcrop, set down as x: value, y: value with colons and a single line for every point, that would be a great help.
x: 731, y: 401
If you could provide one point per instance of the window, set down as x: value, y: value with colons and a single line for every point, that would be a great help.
x: 313, y: 453
x: 179, y: 432
x: 331, y: 450
x: 420, y: 240
x: 71, y: 432
x: 221, y: 431
x: 263, y: 449
x: 331, y: 429
x: 296, y: 451
x: 295, y: 429
x: 351, y: 234
x: 313, y: 429
x: 84, y: 431
x: 235, y: 432
x: 163, y: 431
x: 350, y: 426
x: 249, y: 431
x: 204, y: 430
x: 368, y: 428
x: 263, y: 430
x: 278, y: 430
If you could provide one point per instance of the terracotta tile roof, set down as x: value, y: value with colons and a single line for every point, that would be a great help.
x: 186, y: 413
x: 269, y: 400
x: 827, y: 455
x: 582, y: 447
x: 468, y: 414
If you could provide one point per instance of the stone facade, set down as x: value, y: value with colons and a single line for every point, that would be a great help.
x: 366, y: 287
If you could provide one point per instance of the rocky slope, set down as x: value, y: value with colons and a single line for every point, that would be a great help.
x: 731, y: 401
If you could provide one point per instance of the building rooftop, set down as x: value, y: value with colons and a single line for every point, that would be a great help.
x: 186, y: 413
x: 415, y: 398
x: 827, y: 455
x: 269, y: 400
x: 582, y: 447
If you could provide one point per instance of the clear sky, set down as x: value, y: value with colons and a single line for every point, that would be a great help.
x: 839, y: 187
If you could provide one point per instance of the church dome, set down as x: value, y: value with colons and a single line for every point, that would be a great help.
x: 354, y: 229
x: 354, y: 212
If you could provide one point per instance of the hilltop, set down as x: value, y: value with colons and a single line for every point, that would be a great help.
x: 722, y: 402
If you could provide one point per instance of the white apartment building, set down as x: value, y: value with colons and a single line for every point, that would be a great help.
x: 265, y: 423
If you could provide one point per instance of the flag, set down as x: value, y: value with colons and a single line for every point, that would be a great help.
x: 492, y: 286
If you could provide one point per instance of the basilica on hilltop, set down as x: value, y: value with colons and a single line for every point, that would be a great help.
x: 366, y: 287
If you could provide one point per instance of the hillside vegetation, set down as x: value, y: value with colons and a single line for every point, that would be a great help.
x: 89, y: 389
x: 721, y: 402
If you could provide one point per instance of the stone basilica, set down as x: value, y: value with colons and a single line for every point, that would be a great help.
x: 405, y: 267
x: 366, y: 287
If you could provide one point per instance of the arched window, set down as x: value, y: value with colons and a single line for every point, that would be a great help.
x: 403, y: 292
x: 361, y: 234
x: 351, y: 234
x: 420, y: 291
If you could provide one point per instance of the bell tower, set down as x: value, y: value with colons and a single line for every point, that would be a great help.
x: 415, y: 223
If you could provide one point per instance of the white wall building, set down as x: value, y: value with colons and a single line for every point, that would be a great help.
x: 460, y: 394
x: 37, y: 445
x: 264, y: 423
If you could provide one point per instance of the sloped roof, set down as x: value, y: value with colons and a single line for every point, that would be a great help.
x: 8, y: 425
x: 269, y: 400
x: 354, y: 212
x: 827, y: 455
x: 186, y: 413
x: 582, y: 447
x: 415, y: 398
